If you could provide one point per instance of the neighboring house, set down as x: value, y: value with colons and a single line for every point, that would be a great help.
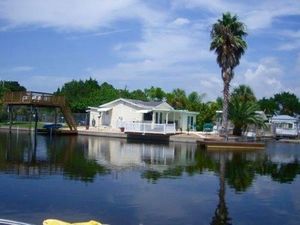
x: 141, y: 116
x: 285, y: 125
x: 252, y: 129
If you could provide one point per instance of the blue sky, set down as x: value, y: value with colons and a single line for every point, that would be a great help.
x: 137, y: 44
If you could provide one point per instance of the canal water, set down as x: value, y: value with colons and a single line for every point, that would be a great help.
x: 121, y: 182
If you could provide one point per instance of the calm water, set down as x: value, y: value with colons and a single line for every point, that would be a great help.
x: 120, y: 182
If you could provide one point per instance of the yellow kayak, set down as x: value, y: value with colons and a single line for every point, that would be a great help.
x: 59, y: 222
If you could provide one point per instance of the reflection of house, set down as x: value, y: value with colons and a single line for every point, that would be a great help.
x: 141, y: 116
x: 285, y: 125
x: 121, y: 154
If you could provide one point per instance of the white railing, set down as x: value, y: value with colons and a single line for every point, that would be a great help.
x: 149, y: 128
x: 293, y: 132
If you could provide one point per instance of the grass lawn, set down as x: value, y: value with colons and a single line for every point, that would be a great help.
x: 24, y: 124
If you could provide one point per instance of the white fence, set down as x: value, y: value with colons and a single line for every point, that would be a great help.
x: 149, y: 128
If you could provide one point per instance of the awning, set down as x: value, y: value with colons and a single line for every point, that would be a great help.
x: 103, y: 109
x: 144, y: 111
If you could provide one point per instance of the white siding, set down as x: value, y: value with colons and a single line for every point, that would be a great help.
x: 164, y: 106
x: 124, y: 112
x: 94, y: 115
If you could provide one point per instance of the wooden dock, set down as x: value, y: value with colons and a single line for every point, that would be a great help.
x: 39, y: 99
x: 57, y: 132
x: 231, y: 145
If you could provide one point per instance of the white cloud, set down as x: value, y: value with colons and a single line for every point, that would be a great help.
x: 181, y: 21
x: 46, y: 83
x: 264, y: 78
x: 288, y: 46
x: 297, y: 66
x: 171, y: 50
x: 257, y: 15
x: 291, y: 40
x: 17, y: 69
x: 215, y: 6
x: 75, y: 14
x: 290, y: 33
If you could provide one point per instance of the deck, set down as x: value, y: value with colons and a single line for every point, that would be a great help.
x: 149, y: 128
x: 231, y: 145
x: 34, y: 99
x: 41, y: 99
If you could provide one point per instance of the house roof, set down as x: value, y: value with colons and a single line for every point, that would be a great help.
x: 145, y: 103
x: 145, y: 106
x: 138, y: 103
x: 284, y: 117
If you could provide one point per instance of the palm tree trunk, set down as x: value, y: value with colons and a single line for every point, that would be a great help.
x: 225, y: 105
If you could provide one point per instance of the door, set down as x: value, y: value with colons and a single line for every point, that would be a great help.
x: 106, y: 117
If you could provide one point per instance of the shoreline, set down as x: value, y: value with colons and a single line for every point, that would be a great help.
x: 191, y: 137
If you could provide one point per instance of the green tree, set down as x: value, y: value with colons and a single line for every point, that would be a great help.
x: 207, y: 114
x: 155, y: 94
x: 288, y: 103
x: 81, y: 94
x: 177, y: 99
x: 227, y: 41
x: 268, y: 105
x: 194, y: 101
x: 7, y: 86
x: 243, y: 93
x: 242, y: 114
x: 139, y: 95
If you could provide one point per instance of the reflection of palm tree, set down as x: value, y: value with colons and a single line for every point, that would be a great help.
x: 240, y: 172
x: 221, y: 216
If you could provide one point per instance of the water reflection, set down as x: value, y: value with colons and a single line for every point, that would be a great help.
x: 29, y: 158
x: 122, y: 154
x: 85, y: 159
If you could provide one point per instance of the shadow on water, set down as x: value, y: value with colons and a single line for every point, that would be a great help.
x: 85, y: 158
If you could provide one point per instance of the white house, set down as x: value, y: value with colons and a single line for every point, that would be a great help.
x: 141, y: 116
x: 285, y: 125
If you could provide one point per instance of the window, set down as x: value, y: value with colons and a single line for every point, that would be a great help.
x: 148, y: 116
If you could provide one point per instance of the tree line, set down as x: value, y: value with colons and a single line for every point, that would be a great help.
x: 243, y: 103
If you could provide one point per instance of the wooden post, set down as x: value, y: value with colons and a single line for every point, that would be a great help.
x: 55, y: 116
x: 10, y: 117
x: 30, y: 119
x: 35, y: 120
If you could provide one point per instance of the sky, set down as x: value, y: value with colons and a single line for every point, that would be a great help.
x: 136, y: 44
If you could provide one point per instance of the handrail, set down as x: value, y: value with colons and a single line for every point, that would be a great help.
x: 31, y: 97
x: 155, y: 128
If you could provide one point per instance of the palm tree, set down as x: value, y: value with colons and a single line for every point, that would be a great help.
x: 177, y: 98
x: 242, y: 114
x: 227, y: 41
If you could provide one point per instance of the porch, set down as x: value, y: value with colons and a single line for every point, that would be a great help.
x: 149, y: 128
